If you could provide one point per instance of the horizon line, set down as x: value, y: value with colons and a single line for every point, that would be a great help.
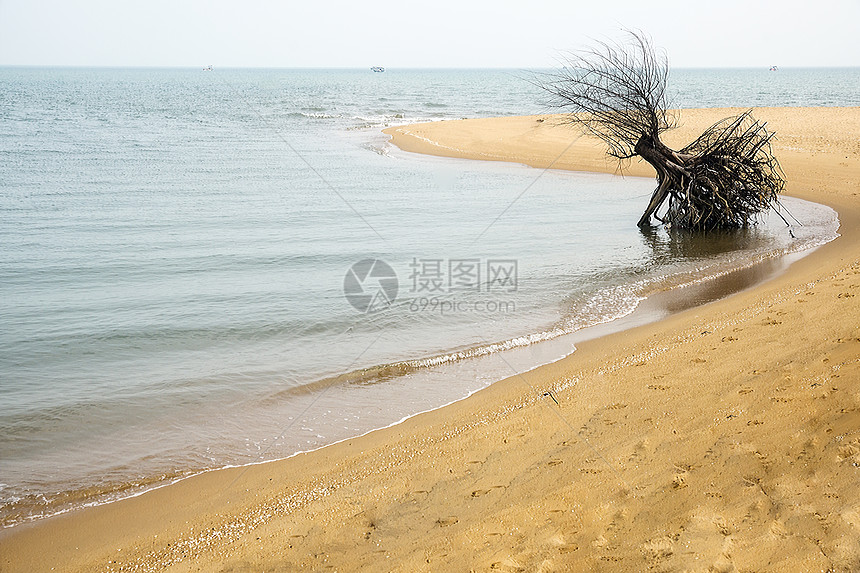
x: 251, y: 67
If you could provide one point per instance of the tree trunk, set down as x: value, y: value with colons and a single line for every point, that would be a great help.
x: 670, y: 172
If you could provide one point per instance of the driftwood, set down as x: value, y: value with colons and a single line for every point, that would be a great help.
x: 618, y: 93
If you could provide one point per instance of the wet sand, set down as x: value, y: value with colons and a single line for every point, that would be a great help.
x: 725, y: 437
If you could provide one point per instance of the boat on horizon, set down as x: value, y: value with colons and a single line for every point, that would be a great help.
x: 377, y: 68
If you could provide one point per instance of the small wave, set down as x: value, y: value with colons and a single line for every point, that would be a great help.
x: 314, y: 113
x: 321, y: 115
x: 384, y: 120
x: 24, y: 506
x: 378, y: 149
x: 605, y: 306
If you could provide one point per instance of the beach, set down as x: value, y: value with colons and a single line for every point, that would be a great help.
x: 725, y: 437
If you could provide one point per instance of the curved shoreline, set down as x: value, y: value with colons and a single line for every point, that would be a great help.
x: 427, y: 491
x: 654, y: 306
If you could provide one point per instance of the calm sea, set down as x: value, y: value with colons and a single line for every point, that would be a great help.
x: 201, y: 269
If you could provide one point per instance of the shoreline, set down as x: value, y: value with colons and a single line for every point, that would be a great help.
x: 296, y: 503
x: 653, y: 307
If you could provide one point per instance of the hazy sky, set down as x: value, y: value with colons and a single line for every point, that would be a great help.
x: 441, y: 33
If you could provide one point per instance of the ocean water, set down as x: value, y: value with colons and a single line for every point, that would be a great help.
x: 201, y: 269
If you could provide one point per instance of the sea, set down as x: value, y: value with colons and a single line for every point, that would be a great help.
x: 211, y: 268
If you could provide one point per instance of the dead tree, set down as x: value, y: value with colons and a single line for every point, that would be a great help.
x: 617, y: 92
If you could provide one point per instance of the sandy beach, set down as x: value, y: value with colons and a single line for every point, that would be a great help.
x: 723, y: 438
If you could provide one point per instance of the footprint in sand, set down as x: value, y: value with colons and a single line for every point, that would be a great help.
x: 657, y: 550
x: 558, y: 541
x: 506, y: 565
x: 722, y: 526
x: 777, y: 529
x: 849, y: 452
x: 480, y: 492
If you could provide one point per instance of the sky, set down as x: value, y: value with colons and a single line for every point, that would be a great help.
x: 428, y: 34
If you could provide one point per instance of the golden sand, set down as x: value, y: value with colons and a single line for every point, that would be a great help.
x: 724, y: 438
